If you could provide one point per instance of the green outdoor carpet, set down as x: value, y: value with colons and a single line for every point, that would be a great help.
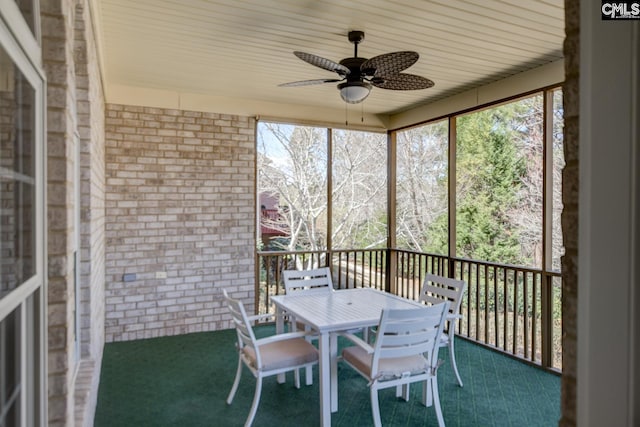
x: 184, y: 381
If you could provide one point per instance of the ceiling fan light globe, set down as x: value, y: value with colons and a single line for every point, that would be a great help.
x: 354, y: 92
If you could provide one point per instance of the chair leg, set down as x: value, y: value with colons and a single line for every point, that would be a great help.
x: 256, y: 401
x: 309, y: 375
x: 375, y: 408
x: 452, y: 356
x: 402, y: 390
x: 296, y: 378
x: 436, y: 400
x: 234, y: 388
x: 308, y: 371
x: 427, y: 395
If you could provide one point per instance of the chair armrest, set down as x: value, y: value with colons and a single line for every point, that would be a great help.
x: 260, y: 317
x: 358, y: 341
x: 454, y: 316
x: 282, y: 337
x: 263, y: 316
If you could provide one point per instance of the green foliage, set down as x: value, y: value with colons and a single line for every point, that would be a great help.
x: 489, y: 172
x: 437, y: 236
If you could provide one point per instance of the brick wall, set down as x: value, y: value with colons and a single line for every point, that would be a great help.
x: 180, y: 202
x: 57, y: 18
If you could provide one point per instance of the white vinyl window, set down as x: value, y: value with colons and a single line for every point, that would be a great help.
x: 22, y: 225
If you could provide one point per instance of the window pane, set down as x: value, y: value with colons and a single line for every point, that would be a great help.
x: 292, y: 186
x: 10, y: 370
x: 422, y: 188
x: 558, y: 166
x: 359, y: 192
x: 499, y: 184
x: 17, y: 191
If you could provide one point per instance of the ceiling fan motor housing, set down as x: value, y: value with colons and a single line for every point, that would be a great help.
x: 353, y: 64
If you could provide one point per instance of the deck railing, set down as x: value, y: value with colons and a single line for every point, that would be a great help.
x: 515, y: 310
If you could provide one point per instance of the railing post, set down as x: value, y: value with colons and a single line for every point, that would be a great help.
x: 451, y: 268
x: 391, y: 264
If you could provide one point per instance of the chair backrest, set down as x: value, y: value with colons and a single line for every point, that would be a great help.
x: 315, y: 280
x: 409, y: 332
x: 246, y: 337
x: 436, y: 289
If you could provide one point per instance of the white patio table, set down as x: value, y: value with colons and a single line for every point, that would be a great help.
x: 331, y: 312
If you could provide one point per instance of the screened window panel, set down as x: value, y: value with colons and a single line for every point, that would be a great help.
x: 558, y: 165
x: 422, y: 188
x: 499, y: 182
x: 292, y: 187
x: 359, y: 193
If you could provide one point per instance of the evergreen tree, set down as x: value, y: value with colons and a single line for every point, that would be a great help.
x: 489, y: 174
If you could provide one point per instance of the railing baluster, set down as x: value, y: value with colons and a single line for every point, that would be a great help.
x: 469, y: 299
x: 421, y: 260
x: 534, y: 315
x: 477, y: 284
x: 355, y: 269
x: 496, y: 325
x: 401, y: 273
x: 370, y: 266
x: 465, y: 298
x: 505, y: 304
x: 486, y: 303
x: 525, y: 314
x: 514, y: 349
x: 340, y: 270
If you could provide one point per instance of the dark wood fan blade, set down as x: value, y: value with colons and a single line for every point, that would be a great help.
x: 324, y: 63
x: 309, y: 82
x: 402, y: 81
x: 389, y: 63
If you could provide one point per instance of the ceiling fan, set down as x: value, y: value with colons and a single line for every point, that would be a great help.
x: 358, y: 75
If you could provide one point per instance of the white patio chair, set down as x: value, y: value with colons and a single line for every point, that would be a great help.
x: 313, y: 280
x: 436, y: 289
x: 266, y: 356
x: 405, y: 351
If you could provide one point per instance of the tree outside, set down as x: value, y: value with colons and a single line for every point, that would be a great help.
x: 293, y: 166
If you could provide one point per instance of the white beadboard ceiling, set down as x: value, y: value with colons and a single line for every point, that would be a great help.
x: 242, y: 50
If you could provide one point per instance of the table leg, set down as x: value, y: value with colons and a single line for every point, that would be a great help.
x: 280, y: 329
x: 333, y: 346
x: 325, y: 380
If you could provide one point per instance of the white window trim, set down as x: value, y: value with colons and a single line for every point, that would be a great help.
x: 23, y: 48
